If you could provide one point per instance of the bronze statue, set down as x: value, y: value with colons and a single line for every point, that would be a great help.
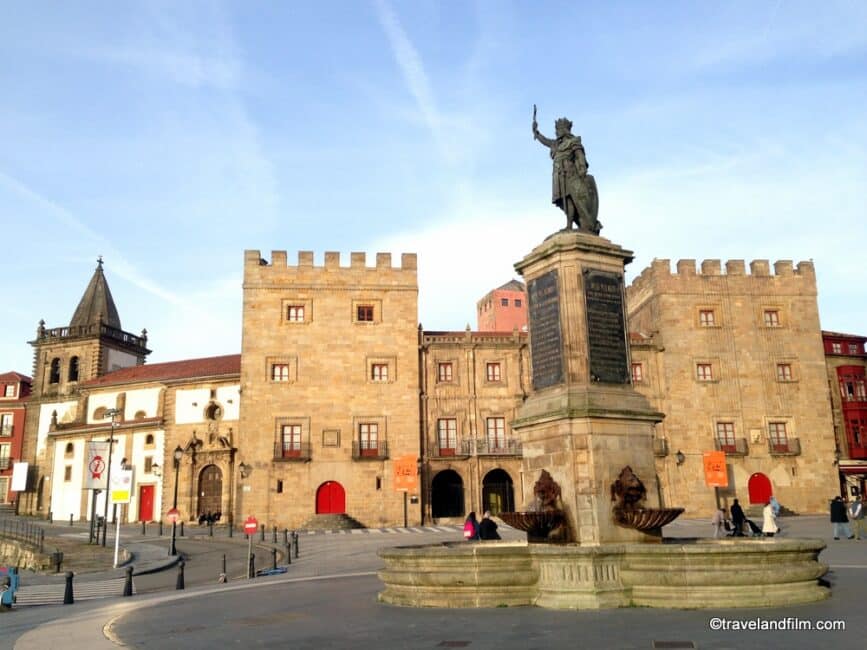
x: 573, y: 189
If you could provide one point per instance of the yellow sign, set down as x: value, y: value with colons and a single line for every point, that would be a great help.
x: 406, y: 474
x: 715, y: 474
x: 120, y: 490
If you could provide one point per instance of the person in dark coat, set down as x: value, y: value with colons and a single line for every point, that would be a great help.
x: 839, y: 520
x: 488, y: 527
x: 738, y: 519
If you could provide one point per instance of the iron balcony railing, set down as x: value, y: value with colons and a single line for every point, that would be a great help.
x: 735, y: 447
x: 369, y: 450
x: 446, y: 451
x: 787, y: 447
x: 660, y: 447
x: 486, y: 447
x: 289, y: 451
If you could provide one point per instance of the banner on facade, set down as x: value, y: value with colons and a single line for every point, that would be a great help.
x: 406, y: 474
x: 19, y: 476
x: 96, y: 468
x: 715, y: 474
x: 121, y: 486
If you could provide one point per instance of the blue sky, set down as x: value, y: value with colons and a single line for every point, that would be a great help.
x: 169, y: 137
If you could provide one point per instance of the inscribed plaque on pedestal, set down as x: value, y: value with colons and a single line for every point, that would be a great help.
x: 606, y: 331
x: 546, y: 348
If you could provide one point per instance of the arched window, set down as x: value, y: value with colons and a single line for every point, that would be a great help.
x: 54, y: 375
x: 99, y: 414
x: 73, y: 369
x: 149, y: 440
x: 70, y: 449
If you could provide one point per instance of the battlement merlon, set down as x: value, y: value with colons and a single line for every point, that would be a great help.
x: 259, y: 270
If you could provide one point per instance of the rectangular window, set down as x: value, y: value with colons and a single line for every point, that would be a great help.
x: 364, y: 313
x: 496, y: 433
x: 706, y: 318
x: 725, y: 435
x: 447, y: 436
x: 444, y: 371
x: 9, y: 391
x: 637, y: 373
x: 280, y: 372
x: 778, y: 437
x: 67, y: 474
x: 5, y: 450
x: 784, y: 372
x: 518, y: 302
x: 368, y: 438
x: 290, y: 438
x: 492, y: 371
x: 853, y: 349
x: 772, y: 318
x: 379, y: 372
x: 504, y: 302
x: 704, y: 371
x: 856, y: 432
x: 148, y: 464
x: 295, y: 313
x: 836, y: 348
x: 5, y: 424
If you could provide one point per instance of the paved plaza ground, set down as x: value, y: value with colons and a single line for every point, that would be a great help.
x: 328, y: 599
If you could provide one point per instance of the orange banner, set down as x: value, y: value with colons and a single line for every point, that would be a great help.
x: 715, y: 474
x: 406, y: 474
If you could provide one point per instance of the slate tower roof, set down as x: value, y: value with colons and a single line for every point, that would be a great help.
x: 96, y: 303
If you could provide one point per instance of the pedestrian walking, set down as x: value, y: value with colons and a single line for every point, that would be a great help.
x: 488, y: 527
x: 856, y: 516
x: 738, y: 519
x: 776, y: 507
x: 718, y: 521
x: 769, y: 521
x: 471, y: 527
x: 839, y: 520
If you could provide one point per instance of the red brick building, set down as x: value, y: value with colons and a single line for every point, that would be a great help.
x: 14, y: 389
x: 846, y: 362
x: 504, y: 309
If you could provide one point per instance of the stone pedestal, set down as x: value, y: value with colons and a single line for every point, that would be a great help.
x: 583, y: 422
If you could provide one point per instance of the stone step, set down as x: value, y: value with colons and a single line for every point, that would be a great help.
x: 331, y: 522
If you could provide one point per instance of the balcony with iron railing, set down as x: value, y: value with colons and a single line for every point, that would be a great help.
x: 369, y: 450
x: 733, y: 446
x: 660, y: 447
x: 456, y: 449
x: 486, y: 447
x: 289, y: 452
x: 787, y: 447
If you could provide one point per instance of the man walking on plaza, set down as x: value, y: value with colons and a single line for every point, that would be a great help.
x: 856, y: 516
x: 839, y: 520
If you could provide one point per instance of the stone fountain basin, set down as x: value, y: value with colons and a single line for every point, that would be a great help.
x: 678, y: 573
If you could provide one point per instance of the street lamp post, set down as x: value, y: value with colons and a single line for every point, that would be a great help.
x: 177, y: 455
x: 113, y: 413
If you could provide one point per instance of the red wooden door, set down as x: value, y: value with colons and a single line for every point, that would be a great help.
x: 760, y: 488
x: 146, y: 503
x: 330, y: 499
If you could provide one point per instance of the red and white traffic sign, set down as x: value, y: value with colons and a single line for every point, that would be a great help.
x: 173, y: 515
x: 251, y: 525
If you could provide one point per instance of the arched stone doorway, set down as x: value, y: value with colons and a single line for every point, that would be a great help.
x: 498, y: 494
x: 447, y: 494
x: 210, y: 491
x: 330, y: 499
x: 760, y: 489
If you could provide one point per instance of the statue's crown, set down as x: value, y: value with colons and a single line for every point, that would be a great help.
x: 565, y: 123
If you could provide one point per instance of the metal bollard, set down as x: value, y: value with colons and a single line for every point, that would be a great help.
x: 144, y: 528
x: 127, y: 585
x: 70, y: 518
x: 41, y: 541
x: 262, y: 533
x: 161, y: 527
x: 231, y: 531
x: 210, y: 529
x: 273, y: 558
x: 295, y: 539
x: 274, y: 536
x: 180, y: 583
x: 225, y: 573
x: 182, y: 529
x: 285, y: 537
x: 50, y: 517
x: 288, y: 554
x: 251, y: 570
x: 68, y: 597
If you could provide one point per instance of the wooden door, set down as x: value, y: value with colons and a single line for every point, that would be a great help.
x: 760, y: 489
x: 210, y: 491
x: 330, y: 499
x: 146, y: 503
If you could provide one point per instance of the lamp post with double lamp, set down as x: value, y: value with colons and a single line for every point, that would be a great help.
x: 176, y: 455
x: 112, y: 413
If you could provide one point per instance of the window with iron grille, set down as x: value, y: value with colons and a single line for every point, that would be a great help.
x: 492, y: 371
x: 496, y: 432
x: 447, y: 435
x: 290, y: 438
x: 445, y: 371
